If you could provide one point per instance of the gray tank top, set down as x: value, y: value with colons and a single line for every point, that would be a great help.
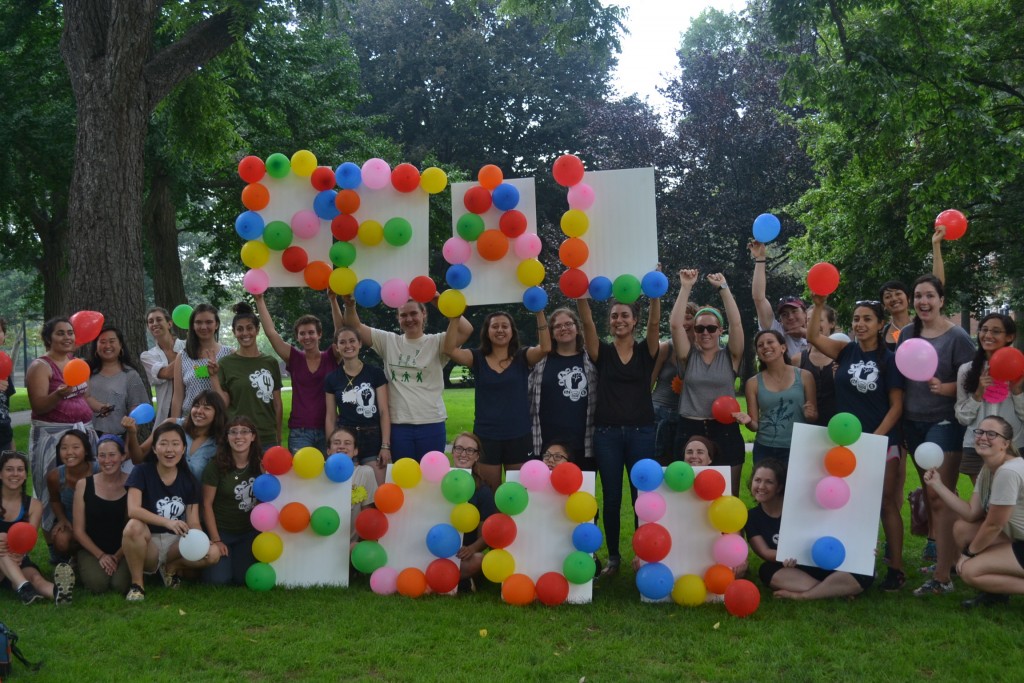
x: 778, y: 411
x: 704, y: 382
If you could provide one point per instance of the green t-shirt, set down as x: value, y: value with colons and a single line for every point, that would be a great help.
x: 251, y: 383
x: 234, y: 499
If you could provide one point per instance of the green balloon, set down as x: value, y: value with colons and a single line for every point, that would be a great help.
x: 844, y: 429
x: 277, y: 235
x: 397, y: 232
x: 511, y: 498
x: 181, y: 315
x: 278, y: 165
x: 369, y: 556
x: 579, y: 567
x: 679, y: 476
x: 458, y: 486
x: 260, y: 577
x: 469, y: 226
x: 626, y: 289
x: 325, y: 520
x: 343, y: 254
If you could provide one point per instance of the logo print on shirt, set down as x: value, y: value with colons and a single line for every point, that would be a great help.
x: 573, y: 382
x: 864, y: 376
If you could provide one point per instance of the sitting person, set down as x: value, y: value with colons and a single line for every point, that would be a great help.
x: 364, y: 480
x: 101, y: 511
x: 75, y: 455
x: 700, y: 451
x: 466, y: 455
x: 557, y: 452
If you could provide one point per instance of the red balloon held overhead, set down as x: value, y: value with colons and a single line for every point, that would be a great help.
x: 477, y: 200
x: 823, y: 278
x: 87, y: 326
x: 1006, y: 364
x: 573, y: 283
x: 709, y: 484
x: 955, y: 222
x: 723, y: 408
x: 567, y: 170
x: 294, y: 259
x: 405, y: 178
x: 344, y: 227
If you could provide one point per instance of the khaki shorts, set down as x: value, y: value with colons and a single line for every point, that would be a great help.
x: 163, y: 544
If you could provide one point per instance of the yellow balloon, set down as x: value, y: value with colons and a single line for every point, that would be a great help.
x: 689, y: 590
x: 255, y: 254
x: 581, y: 507
x: 406, y: 473
x: 308, y: 462
x: 575, y: 223
x: 530, y: 272
x: 371, y: 233
x: 433, y: 180
x: 498, y: 565
x: 465, y: 517
x: 728, y: 514
x: 451, y: 303
x: 303, y: 163
x: 343, y: 281
x: 267, y: 547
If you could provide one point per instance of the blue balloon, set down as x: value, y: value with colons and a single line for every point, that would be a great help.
x: 443, y: 540
x: 654, y: 581
x: 535, y: 299
x: 367, y: 293
x: 828, y: 552
x: 249, y: 225
x: 587, y: 537
x: 654, y: 285
x: 143, y: 413
x: 348, y: 176
x: 646, y: 474
x: 600, y: 288
x: 458, y: 276
x: 339, y: 467
x: 323, y: 205
x: 266, y: 487
x: 505, y: 197
x: 766, y: 227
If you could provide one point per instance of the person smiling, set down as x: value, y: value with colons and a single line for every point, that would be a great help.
x: 791, y: 310
x: 100, y: 513
x: 466, y: 449
x: 75, y: 455
x: 115, y: 383
x: 158, y: 361
x: 191, y: 367
x: 203, y: 427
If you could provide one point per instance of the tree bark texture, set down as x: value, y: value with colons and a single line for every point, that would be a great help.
x: 162, y: 233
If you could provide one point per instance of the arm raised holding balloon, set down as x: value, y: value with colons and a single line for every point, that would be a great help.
x: 759, y: 285
x: 938, y: 266
x: 828, y: 346
x: 677, y: 318
x: 732, y: 314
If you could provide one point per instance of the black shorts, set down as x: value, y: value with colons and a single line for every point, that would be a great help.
x: 768, y: 570
x: 506, y: 451
x: 1018, y: 551
x: 731, y: 450
x: 26, y: 563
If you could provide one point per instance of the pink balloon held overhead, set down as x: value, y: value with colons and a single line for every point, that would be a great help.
x: 917, y: 360
x: 256, y: 281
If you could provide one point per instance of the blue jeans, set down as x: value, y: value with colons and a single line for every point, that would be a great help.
x: 616, y: 448
x: 231, y: 569
x: 665, y: 436
x: 414, y: 441
x: 303, y: 436
x: 762, y: 452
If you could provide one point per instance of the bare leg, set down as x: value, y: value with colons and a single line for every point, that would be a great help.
x: 835, y: 585
x: 944, y: 518
x: 491, y: 474
x: 175, y: 562
x: 995, y: 570
x: 964, y: 532
x: 892, y: 503
x: 736, y: 471
x: 471, y: 565
x: 42, y: 586
x: 139, y: 553
x: 792, y: 580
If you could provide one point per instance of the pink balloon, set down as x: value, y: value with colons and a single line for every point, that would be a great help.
x: 456, y: 250
x: 305, y: 224
x: 384, y: 581
x: 527, y: 245
x: 376, y: 173
x: 650, y: 506
x: 580, y: 196
x: 832, y: 493
x: 394, y: 293
x: 434, y: 466
x: 917, y: 359
x: 730, y: 550
x: 263, y: 517
x: 535, y: 475
x: 256, y: 281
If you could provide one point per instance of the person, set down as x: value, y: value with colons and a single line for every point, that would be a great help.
x: 990, y: 531
x: 204, y: 428
x: 308, y: 368
x: 787, y: 578
x: 502, y: 371
x: 869, y: 386
x: 249, y: 381
x: 158, y: 361
x: 18, y: 570
x: 364, y: 481
x: 563, y: 391
x: 624, y: 417
x: 6, y: 391
x: 356, y: 396
x: 556, y: 452
x: 163, y: 505
x: 791, y: 310
x: 978, y: 395
x: 100, y: 513
x: 777, y: 397
x: 77, y: 463
x: 115, y: 382
x: 822, y: 368
x: 709, y: 372
x: 895, y: 295
x: 668, y: 384
x: 191, y: 372
x: 228, y: 500
x: 414, y: 364
x: 700, y: 451
x: 466, y: 449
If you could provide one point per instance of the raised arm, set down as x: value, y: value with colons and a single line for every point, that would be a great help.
x: 543, y: 348
x: 453, y: 341
x: 732, y: 314
x: 282, y: 348
x: 938, y: 266
x: 337, y: 317
x: 680, y: 340
x: 654, y: 325
x: 591, y: 342
x: 759, y: 285
x: 828, y: 346
x: 352, y: 320
x: 464, y: 329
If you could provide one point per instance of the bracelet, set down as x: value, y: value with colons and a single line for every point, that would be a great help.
x: 967, y: 551
x: 760, y: 260
x: 217, y: 541
x: 542, y: 327
x: 385, y: 447
x: 724, y: 285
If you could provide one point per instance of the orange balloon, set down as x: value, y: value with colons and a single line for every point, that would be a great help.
x: 317, y: 275
x: 412, y: 583
x: 573, y: 252
x: 518, y: 589
x: 717, y: 578
x: 492, y: 245
x: 389, y: 498
x: 76, y: 372
x: 255, y: 196
x: 490, y: 176
x: 294, y: 517
x: 347, y: 201
x: 840, y: 461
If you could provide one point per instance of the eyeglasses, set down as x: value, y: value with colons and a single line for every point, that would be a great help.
x: 991, y: 330
x: 464, y: 449
x: 701, y: 329
x: 554, y: 457
x: 239, y: 431
x: 563, y: 326
x: 988, y: 434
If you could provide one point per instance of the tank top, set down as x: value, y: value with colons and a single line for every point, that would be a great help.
x: 67, y: 494
x: 196, y: 385
x: 104, y: 519
x: 825, y: 386
x: 779, y: 410
x: 704, y: 382
x: 663, y: 395
x: 70, y: 409
x: 5, y: 526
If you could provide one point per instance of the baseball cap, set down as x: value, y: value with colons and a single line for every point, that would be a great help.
x: 794, y: 301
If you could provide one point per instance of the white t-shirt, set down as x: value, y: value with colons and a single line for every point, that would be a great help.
x: 153, y: 361
x: 415, y: 372
x: 1008, y: 489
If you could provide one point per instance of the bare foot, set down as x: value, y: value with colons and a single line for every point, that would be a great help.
x: 792, y: 595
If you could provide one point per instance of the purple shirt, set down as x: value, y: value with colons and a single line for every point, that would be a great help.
x: 309, y: 402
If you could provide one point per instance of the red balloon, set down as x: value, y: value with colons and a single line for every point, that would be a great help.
x: 251, y: 169
x: 1006, y: 364
x: 87, y: 326
x: 21, y: 538
x: 568, y: 170
x: 566, y: 478
x: 322, y: 178
x: 552, y: 589
x: 344, y: 227
x: 405, y: 178
x: 422, y: 289
x: 499, y: 530
x: 723, y: 408
x: 652, y: 542
x: 512, y: 223
x: 294, y: 259
x: 371, y: 524
x: 573, y: 283
x: 477, y: 200
x: 277, y: 460
x: 518, y: 589
x: 6, y: 365
x: 709, y: 485
x: 823, y: 278
x: 742, y: 598
x: 442, y: 575
x: 955, y: 222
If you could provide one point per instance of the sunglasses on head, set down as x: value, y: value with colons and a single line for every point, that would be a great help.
x: 701, y: 329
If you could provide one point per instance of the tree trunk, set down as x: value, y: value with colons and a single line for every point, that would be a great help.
x: 53, y: 267
x: 162, y: 233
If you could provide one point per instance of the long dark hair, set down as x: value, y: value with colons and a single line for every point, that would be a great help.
x: 878, y: 309
x: 243, y: 311
x: 209, y: 398
x: 81, y: 436
x: 49, y: 326
x: 777, y: 468
x: 973, y: 375
x: 485, y: 337
x: 224, y: 459
x: 160, y: 431
x: 25, y: 497
x: 124, y: 357
x: 778, y: 336
x: 192, y: 340
x: 939, y: 289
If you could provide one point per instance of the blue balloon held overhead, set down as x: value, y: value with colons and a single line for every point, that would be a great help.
x: 535, y: 299
x: 367, y: 293
x: 654, y: 285
x: 266, y: 487
x: 587, y: 537
x: 323, y: 205
x: 828, y: 552
x: 646, y: 474
x: 339, y: 467
x: 249, y: 225
x: 600, y: 288
x: 443, y: 540
x: 348, y: 176
x: 505, y: 197
x: 143, y: 413
x: 766, y: 228
x: 654, y: 581
x: 458, y: 276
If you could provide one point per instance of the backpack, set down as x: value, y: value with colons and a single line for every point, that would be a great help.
x: 8, y: 649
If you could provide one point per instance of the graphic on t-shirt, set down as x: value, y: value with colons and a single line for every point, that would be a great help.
x: 573, y: 382
x: 774, y: 420
x: 263, y: 382
x: 243, y: 494
x: 864, y: 376
x: 775, y: 540
x: 363, y: 397
x: 406, y: 369
x: 170, y: 507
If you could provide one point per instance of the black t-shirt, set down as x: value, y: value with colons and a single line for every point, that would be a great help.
x: 624, y: 390
x: 168, y: 501
x: 760, y: 524
x: 483, y: 499
x: 564, y: 396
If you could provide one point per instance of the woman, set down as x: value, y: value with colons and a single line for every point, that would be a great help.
x: 158, y: 361
x: 414, y: 364
x: 228, y: 500
x: 990, y: 531
x: 556, y: 452
x: 869, y: 386
x: 777, y: 398
x: 502, y: 371
x: 979, y: 396
x: 822, y: 369
x: 364, y: 481
x: 75, y: 454
x: 624, y: 417
x: 700, y: 451
x: 115, y: 381
x: 163, y: 505
x: 668, y: 384
x: 249, y: 381
x: 709, y: 371
x: 191, y: 370
x: 787, y: 578
x: 204, y: 428
x: 357, y: 397
x: 308, y: 368
x: 895, y: 296
x: 101, y: 511
x: 563, y: 391
x: 466, y: 451
x: 929, y: 415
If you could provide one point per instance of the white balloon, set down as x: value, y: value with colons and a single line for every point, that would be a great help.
x: 929, y: 455
x: 839, y: 336
x: 194, y: 545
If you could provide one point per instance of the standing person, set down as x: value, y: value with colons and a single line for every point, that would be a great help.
x: 191, y: 367
x: 6, y: 391
x: 158, y: 361
x: 821, y: 367
x: 308, y: 367
x: 101, y: 511
x: 115, y: 381
x: 502, y: 372
x: 869, y: 386
x: 791, y: 310
x: 563, y: 391
x: 709, y: 371
x: 75, y: 455
x: 668, y: 384
x: 895, y: 295
x: 249, y: 381
x: 624, y: 419
x: 414, y: 364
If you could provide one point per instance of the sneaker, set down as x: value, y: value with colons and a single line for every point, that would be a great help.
x: 63, y: 583
x: 29, y: 594
x: 930, y: 569
x: 894, y: 580
x: 171, y: 580
x: 135, y: 593
x: 933, y: 587
x: 985, y: 600
x: 929, y: 554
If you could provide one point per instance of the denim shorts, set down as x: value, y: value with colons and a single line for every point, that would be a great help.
x: 947, y: 434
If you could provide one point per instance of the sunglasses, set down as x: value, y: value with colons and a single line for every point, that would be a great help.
x: 701, y: 329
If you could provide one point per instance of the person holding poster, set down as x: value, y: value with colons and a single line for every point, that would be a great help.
x: 466, y: 451
x: 791, y: 310
x: 191, y: 371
